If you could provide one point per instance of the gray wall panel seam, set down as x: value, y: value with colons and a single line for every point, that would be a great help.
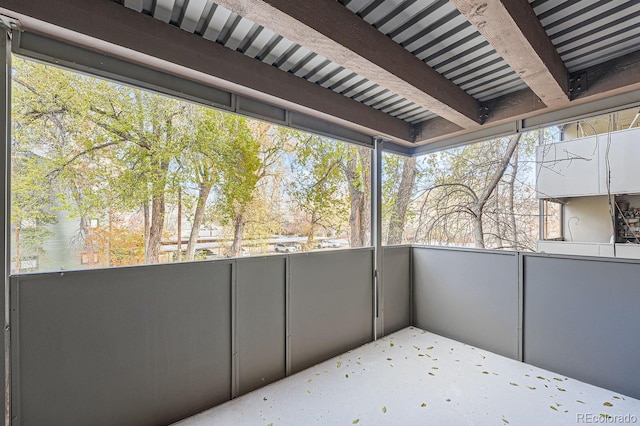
x: 411, y: 319
x: 15, y: 412
x: 520, y: 353
x: 235, y: 362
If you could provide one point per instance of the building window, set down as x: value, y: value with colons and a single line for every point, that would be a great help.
x: 552, y: 220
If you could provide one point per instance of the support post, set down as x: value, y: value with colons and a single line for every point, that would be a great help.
x: 5, y: 232
x: 520, y: 351
x: 287, y: 316
x: 376, y: 238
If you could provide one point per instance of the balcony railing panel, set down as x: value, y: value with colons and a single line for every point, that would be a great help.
x: 468, y: 295
x: 127, y: 346
x: 397, y: 288
x: 331, y: 304
x: 153, y: 344
x: 260, y: 321
x: 581, y: 318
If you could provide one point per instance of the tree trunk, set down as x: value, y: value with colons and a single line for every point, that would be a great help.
x: 203, y: 194
x: 155, y: 230
x: 147, y: 226
x: 157, y: 213
x: 311, y: 232
x: 356, y: 196
x: 365, y: 221
x: 478, y: 233
x: 501, y: 238
x: 478, y: 207
x: 355, y: 218
x: 238, y: 231
x: 399, y: 212
x: 358, y: 182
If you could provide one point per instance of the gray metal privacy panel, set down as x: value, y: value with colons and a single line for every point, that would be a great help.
x: 396, y: 270
x: 127, y: 346
x: 331, y: 304
x: 581, y: 319
x: 468, y: 295
x: 260, y: 321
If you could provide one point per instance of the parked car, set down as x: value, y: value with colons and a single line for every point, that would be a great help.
x: 287, y: 247
x: 329, y: 244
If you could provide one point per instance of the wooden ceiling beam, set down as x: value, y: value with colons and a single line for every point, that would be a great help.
x: 107, y: 27
x: 110, y: 28
x: 333, y: 31
x: 515, y: 32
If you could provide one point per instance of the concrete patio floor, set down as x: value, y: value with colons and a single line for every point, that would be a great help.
x: 414, y: 377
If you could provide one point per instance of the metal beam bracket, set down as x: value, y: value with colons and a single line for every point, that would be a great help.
x: 414, y: 132
x: 577, y: 84
x: 483, y: 113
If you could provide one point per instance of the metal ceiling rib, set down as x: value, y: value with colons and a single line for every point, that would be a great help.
x: 589, y: 32
x: 436, y: 32
x: 215, y: 23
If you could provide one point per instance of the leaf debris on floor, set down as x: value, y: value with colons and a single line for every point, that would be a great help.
x: 451, y: 380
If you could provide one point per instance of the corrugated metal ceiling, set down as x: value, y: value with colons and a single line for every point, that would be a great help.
x: 585, y: 32
x: 435, y: 32
x: 589, y: 32
x: 218, y: 24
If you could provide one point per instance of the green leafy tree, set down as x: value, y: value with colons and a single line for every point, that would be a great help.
x: 356, y: 166
x: 264, y: 212
x: 110, y: 145
x: 239, y: 175
x: 211, y: 131
x: 398, y: 187
x: 318, y: 186
x: 31, y: 207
